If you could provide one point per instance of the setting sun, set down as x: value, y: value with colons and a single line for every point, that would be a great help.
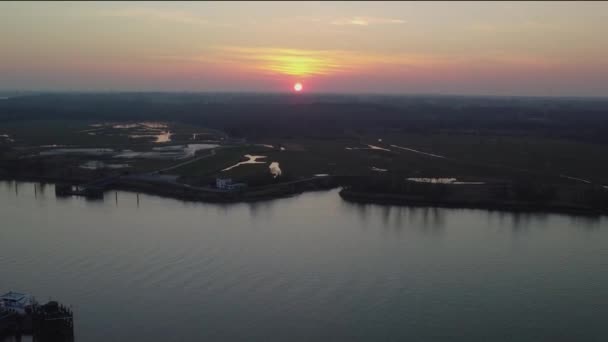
x: 444, y: 159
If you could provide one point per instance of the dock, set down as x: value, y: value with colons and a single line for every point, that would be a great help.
x: 20, y: 315
x: 94, y: 189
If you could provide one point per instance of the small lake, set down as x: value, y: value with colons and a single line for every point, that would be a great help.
x: 307, y: 268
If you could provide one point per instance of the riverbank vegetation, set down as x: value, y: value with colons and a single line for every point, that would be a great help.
x: 545, y: 152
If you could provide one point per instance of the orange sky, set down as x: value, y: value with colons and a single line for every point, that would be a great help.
x: 499, y: 48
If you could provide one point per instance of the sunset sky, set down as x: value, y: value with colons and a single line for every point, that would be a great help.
x: 500, y: 48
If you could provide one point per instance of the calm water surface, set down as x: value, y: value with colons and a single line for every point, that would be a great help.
x: 311, y: 267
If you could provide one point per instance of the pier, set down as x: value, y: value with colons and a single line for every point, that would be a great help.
x: 20, y: 314
x: 92, y: 189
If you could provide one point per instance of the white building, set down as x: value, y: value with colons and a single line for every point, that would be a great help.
x: 223, y: 183
x: 18, y: 302
x: 227, y: 184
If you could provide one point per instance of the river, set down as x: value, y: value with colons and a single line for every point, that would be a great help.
x: 311, y: 267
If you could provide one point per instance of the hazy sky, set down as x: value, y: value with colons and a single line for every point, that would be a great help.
x: 502, y: 48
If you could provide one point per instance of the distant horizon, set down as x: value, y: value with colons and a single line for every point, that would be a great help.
x: 291, y: 94
x: 539, y: 49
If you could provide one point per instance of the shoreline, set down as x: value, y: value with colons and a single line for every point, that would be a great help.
x: 506, y: 206
x: 279, y: 191
x: 178, y: 193
x: 187, y: 193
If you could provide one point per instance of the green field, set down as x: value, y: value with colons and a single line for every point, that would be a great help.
x: 468, y: 156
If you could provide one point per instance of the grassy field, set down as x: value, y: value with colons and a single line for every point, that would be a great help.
x: 467, y: 156
x: 505, y: 154
x: 84, y: 133
x: 223, y: 158
x: 32, y: 137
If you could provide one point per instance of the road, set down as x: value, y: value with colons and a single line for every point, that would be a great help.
x: 193, y: 160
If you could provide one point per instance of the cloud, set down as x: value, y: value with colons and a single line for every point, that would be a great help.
x: 295, y: 62
x: 366, y: 21
x: 525, y: 27
x: 312, y: 63
x: 305, y: 62
x: 155, y: 14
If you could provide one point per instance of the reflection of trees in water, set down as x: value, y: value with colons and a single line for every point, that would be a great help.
x: 385, y: 214
x: 433, y: 219
x: 262, y: 207
x: 223, y: 208
x: 391, y: 217
x: 26, y: 188
x: 517, y: 221
x: 588, y: 222
x: 501, y: 216
x: 9, y: 185
x: 398, y: 222
x: 363, y: 212
x: 42, y: 188
x: 520, y: 222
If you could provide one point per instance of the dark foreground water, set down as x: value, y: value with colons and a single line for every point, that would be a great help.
x: 311, y: 267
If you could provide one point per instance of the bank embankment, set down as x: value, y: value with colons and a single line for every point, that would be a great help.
x: 471, y: 203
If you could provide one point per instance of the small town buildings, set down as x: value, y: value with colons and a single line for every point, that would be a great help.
x: 228, y: 185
